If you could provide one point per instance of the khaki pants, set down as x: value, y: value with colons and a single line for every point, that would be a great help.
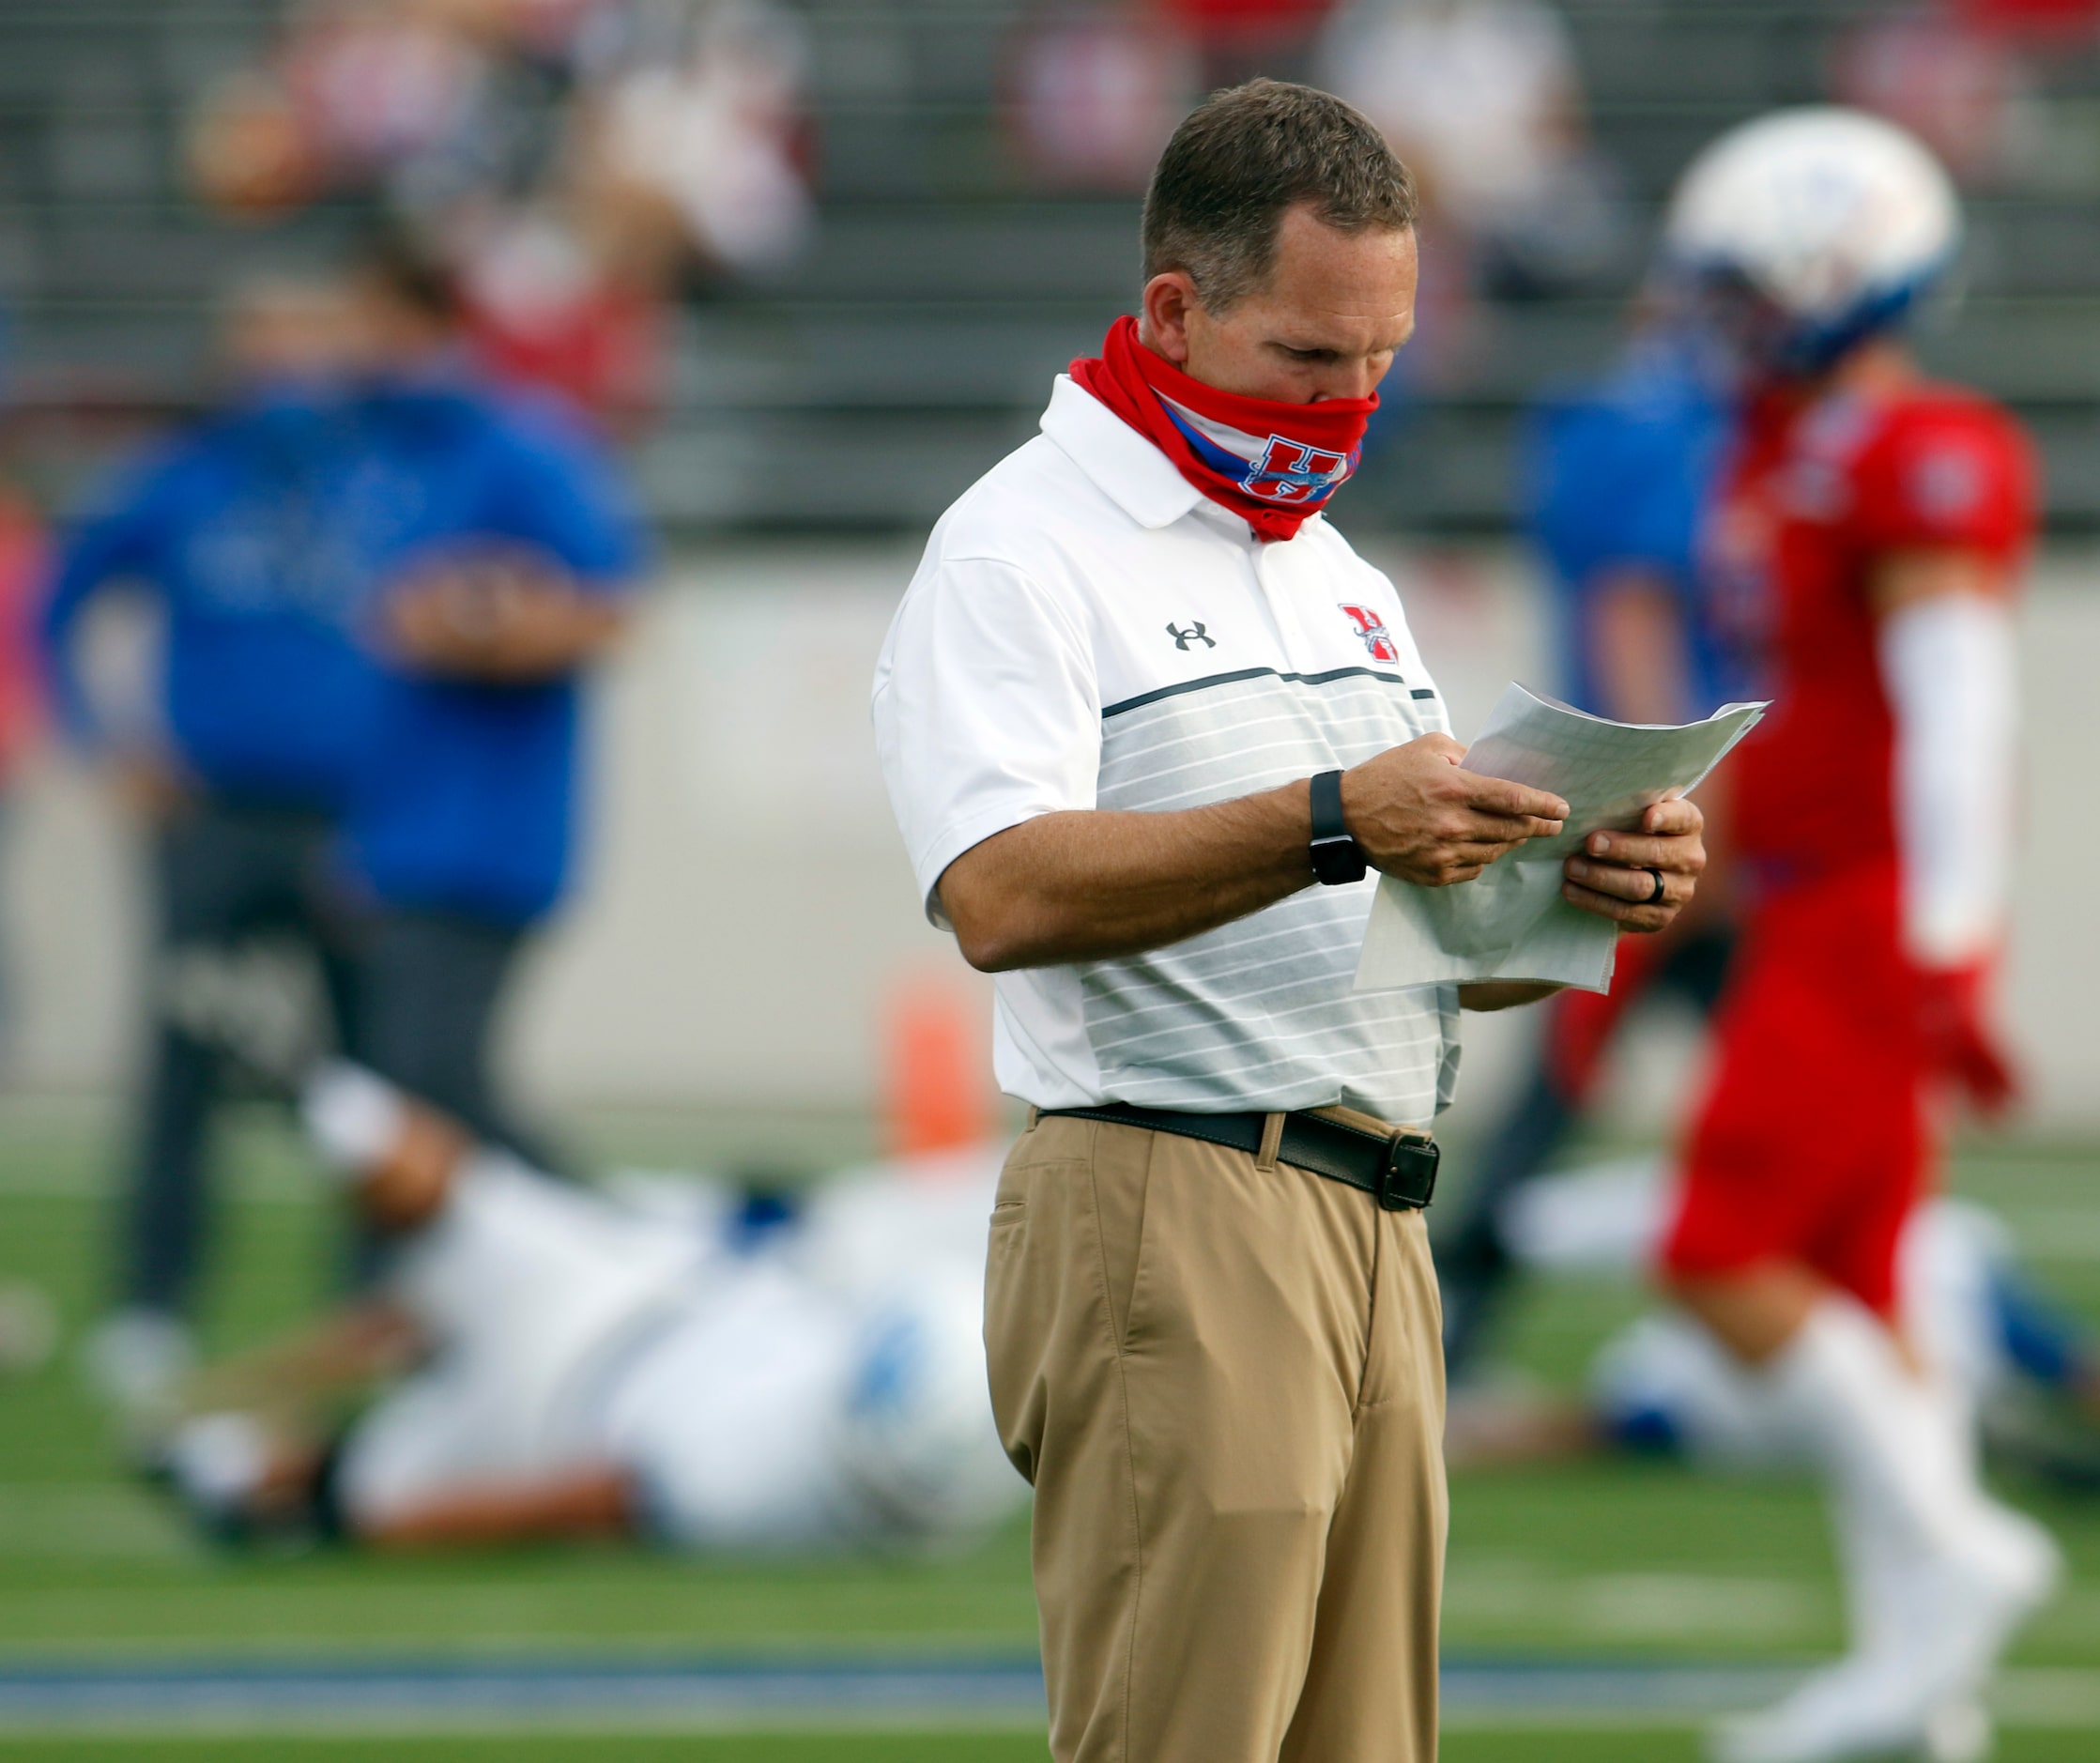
x: 1224, y: 1377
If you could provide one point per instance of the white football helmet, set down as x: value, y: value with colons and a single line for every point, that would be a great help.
x: 920, y: 1442
x: 1834, y: 220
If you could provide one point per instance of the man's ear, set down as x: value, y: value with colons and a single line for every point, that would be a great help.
x: 1163, y: 314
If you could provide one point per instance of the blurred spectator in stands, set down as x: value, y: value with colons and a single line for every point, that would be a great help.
x: 451, y: 114
x: 361, y: 93
x: 1238, y: 40
x: 237, y: 530
x: 1957, y: 85
x: 508, y: 553
x: 420, y: 103
x: 249, y: 152
x: 2060, y: 23
x: 683, y: 153
x: 704, y: 125
x: 395, y: 90
x: 557, y: 306
x: 1092, y: 91
x: 572, y: 159
x: 1484, y: 101
x: 1968, y: 77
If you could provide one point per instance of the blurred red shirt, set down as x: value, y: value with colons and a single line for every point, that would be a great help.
x: 2032, y: 18
x: 1285, y: 19
x: 1820, y: 493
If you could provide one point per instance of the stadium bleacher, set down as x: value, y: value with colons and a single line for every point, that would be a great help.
x: 912, y: 346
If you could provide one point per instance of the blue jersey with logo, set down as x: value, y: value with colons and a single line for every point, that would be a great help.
x: 240, y: 528
x: 1617, y: 476
x: 467, y: 802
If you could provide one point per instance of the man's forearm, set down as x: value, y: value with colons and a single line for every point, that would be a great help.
x: 553, y: 640
x: 1637, y: 648
x: 587, y: 1502
x: 453, y: 627
x: 1089, y: 885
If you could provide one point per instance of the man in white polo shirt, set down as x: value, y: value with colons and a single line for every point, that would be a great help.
x: 1145, y: 719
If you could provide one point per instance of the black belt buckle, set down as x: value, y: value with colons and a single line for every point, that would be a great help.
x: 1408, y: 1180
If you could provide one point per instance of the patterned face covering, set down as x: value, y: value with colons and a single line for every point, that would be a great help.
x: 1273, y: 465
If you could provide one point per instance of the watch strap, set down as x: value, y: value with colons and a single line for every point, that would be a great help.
x: 1337, y: 858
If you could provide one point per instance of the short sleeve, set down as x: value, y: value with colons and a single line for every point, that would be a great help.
x: 1960, y: 477
x: 562, y: 491
x: 121, y: 532
x: 986, y: 712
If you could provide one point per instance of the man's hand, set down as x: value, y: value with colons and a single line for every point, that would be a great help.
x: 1612, y: 876
x: 149, y: 785
x: 500, y: 615
x: 1089, y: 885
x: 1419, y: 814
x: 1961, y: 1043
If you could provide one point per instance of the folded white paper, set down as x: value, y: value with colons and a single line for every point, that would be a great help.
x: 1511, y: 923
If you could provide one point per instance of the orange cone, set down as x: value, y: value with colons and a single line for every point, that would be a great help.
x: 938, y: 1092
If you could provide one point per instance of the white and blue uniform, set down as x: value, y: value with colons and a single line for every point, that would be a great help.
x: 824, y: 1388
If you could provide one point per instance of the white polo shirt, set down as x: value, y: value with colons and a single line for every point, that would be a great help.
x: 1087, y: 630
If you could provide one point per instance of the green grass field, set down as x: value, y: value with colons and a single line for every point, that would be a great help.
x: 1544, y: 1744
x: 1614, y: 1561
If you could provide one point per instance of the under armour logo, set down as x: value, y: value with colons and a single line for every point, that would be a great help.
x: 1194, y: 634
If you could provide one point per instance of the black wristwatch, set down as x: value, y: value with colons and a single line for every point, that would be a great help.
x: 1337, y: 858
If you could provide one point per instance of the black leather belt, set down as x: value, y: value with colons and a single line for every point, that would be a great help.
x: 1398, y: 1170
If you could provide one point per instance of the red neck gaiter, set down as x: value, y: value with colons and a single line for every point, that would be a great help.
x: 1273, y: 465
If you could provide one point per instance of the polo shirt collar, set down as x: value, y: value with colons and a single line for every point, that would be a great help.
x: 1133, y: 473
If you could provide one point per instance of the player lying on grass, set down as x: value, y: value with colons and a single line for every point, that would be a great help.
x: 2028, y: 1368
x: 546, y: 1360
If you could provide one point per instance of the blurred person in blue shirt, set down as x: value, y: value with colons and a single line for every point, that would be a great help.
x: 379, y: 578
x: 234, y: 530
x: 1615, y: 481
x: 515, y: 550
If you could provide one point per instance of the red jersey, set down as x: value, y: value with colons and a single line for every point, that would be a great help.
x: 1818, y: 494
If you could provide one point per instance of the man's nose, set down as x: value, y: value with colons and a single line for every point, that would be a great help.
x: 1347, y: 379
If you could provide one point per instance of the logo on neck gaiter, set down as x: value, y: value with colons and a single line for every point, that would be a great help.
x: 1290, y: 471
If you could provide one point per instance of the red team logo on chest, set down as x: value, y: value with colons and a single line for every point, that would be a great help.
x: 1376, y: 638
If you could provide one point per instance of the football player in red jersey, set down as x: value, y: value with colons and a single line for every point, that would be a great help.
x: 1884, y: 517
